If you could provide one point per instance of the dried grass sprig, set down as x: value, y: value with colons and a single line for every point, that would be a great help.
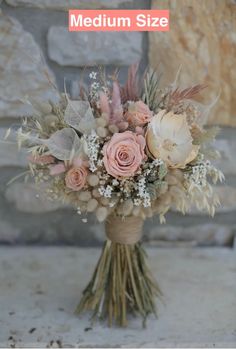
x: 177, y: 95
x: 151, y: 89
x: 206, y: 136
x: 130, y: 92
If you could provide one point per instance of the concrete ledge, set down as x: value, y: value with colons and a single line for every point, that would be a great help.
x: 40, y: 287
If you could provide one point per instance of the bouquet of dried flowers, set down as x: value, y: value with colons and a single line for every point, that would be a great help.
x: 125, y: 153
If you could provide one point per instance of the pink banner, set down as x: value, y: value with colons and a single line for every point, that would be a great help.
x: 118, y: 20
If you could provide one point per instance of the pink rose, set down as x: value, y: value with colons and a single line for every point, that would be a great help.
x: 76, y: 178
x: 138, y: 114
x: 42, y: 159
x: 123, y: 154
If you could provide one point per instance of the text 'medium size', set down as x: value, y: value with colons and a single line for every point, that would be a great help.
x: 118, y: 20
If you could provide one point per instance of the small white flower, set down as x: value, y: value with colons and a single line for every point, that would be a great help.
x: 115, y: 182
x: 137, y: 202
x: 147, y: 201
x: 92, y: 150
x: 158, y: 162
x: 112, y: 204
x: 100, y: 162
x: 143, y: 193
x: 105, y: 89
x: 101, y: 190
x: 105, y: 191
x: 93, y: 75
x: 95, y: 85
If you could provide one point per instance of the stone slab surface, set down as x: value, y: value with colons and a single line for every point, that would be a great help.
x: 22, y: 71
x: 40, y: 287
x: 65, y: 5
x: 87, y: 48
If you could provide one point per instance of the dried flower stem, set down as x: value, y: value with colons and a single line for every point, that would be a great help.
x: 121, y: 284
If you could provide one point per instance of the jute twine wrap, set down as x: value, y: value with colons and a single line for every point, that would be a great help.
x: 126, y: 231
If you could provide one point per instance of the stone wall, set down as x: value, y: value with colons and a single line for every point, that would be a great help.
x: 33, y: 61
x: 202, y: 40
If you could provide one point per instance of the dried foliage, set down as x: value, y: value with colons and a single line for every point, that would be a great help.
x: 176, y: 96
x: 151, y: 93
x: 205, y: 136
x: 131, y: 90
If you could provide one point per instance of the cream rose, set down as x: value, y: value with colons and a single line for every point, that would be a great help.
x: 138, y: 114
x: 76, y: 178
x: 168, y: 137
x: 123, y: 154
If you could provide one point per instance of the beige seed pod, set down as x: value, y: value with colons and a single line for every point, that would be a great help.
x: 104, y: 201
x: 178, y: 174
x: 101, y: 122
x: 128, y: 205
x: 196, y: 131
x: 96, y: 193
x: 115, y: 200
x: 175, y: 191
x: 136, y: 211
x: 92, y: 205
x: 82, y: 206
x: 105, y: 116
x: 142, y: 215
x: 148, y: 212
x: 113, y: 128
x: 85, y: 195
x: 102, y: 132
x: 166, y: 200
x: 125, y: 208
x: 93, y: 180
x: 101, y: 214
x: 43, y: 107
x: 171, y: 180
x: 163, y: 189
x: 51, y: 119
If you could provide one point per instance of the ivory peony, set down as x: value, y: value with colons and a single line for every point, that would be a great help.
x: 168, y: 137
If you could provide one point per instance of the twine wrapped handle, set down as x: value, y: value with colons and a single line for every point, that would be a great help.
x: 127, y: 231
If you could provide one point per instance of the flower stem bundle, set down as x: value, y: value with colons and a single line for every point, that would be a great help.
x: 121, y: 283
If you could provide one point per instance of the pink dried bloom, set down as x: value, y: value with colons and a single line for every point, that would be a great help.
x: 76, y: 178
x: 41, y: 159
x: 138, y: 114
x: 123, y: 154
x: 57, y: 169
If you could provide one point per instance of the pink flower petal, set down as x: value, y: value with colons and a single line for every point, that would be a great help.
x: 57, y: 169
